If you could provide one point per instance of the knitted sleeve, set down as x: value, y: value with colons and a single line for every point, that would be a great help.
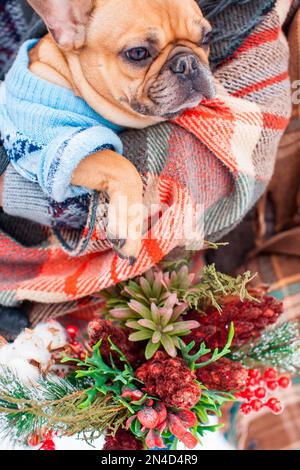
x: 52, y: 165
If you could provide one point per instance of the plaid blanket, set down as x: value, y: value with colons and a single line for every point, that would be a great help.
x: 240, y: 130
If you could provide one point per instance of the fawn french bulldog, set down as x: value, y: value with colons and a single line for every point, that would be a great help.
x: 134, y: 62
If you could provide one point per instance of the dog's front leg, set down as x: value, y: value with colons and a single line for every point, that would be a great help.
x: 110, y: 172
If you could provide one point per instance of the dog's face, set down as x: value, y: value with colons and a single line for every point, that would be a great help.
x: 145, y: 57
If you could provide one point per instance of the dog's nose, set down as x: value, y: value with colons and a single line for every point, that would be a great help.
x: 185, y: 66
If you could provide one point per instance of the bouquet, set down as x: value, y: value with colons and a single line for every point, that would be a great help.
x: 167, y: 351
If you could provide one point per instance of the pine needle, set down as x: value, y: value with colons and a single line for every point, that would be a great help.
x: 278, y: 347
x: 54, y: 403
x: 215, y: 286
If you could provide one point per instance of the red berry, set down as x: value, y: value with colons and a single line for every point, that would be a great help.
x: 284, y: 382
x: 72, y: 331
x: 254, y: 374
x: 271, y: 374
x: 278, y: 409
x: 251, y: 382
x: 256, y: 405
x: 272, y: 401
x: 247, y: 394
x: 272, y: 385
x: 260, y: 392
x: 246, y: 409
x: 275, y: 405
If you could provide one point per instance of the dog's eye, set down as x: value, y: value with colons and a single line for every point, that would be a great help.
x: 138, y: 54
x: 206, y: 40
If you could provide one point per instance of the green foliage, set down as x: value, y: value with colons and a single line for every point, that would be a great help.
x: 211, y: 402
x: 192, y: 360
x: 54, y: 403
x: 105, y: 379
x: 278, y: 347
x: 214, y: 286
x: 89, y: 402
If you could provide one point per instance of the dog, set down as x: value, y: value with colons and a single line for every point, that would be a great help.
x: 136, y: 64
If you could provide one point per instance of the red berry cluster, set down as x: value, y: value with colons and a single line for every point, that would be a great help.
x: 258, y: 388
x: 104, y: 330
x: 123, y: 440
x: 77, y: 349
x: 171, y: 380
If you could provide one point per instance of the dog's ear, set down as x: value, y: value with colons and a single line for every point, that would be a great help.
x: 66, y: 20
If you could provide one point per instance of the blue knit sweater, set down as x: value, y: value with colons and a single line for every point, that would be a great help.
x: 47, y: 130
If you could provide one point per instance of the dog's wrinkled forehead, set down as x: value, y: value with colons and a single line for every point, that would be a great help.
x: 163, y: 21
x: 157, y: 22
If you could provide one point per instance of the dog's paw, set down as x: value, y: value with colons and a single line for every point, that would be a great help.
x: 125, y: 220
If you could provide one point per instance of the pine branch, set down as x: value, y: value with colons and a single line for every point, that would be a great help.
x: 214, y: 286
x: 89, y: 404
x: 279, y: 348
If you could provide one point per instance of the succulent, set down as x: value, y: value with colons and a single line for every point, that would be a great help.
x: 212, y: 290
x: 161, y: 326
x: 178, y: 281
x: 152, y: 306
x: 155, y: 287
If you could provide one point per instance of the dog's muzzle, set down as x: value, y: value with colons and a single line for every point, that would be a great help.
x: 192, y: 73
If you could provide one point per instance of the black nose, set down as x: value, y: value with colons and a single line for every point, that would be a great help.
x: 185, y: 66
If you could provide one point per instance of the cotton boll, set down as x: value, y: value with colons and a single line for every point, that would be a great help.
x: 41, y: 355
x: 27, y: 336
x: 8, y: 353
x: 30, y: 353
x: 26, y: 372
x: 30, y: 347
x: 52, y: 334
